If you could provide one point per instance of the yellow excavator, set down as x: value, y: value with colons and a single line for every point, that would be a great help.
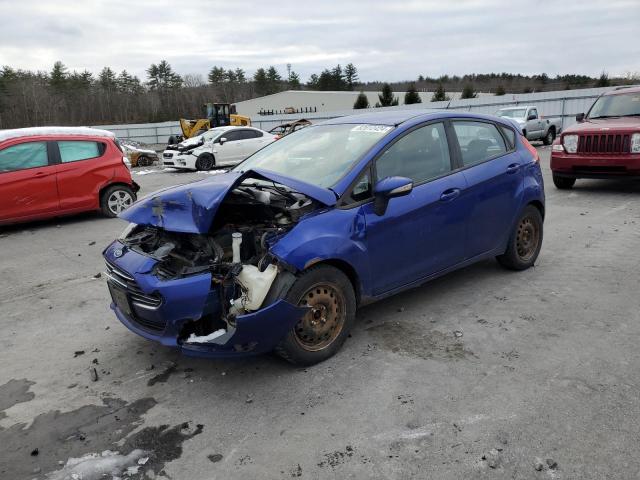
x: 217, y: 115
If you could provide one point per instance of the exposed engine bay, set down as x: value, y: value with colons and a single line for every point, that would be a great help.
x: 235, y: 251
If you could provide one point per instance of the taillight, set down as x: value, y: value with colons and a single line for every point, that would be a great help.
x: 531, y: 148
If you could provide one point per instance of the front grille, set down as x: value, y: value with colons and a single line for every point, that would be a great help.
x: 126, y: 281
x: 604, y: 144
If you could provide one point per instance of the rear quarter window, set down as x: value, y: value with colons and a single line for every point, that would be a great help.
x: 510, y: 137
x: 76, y: 150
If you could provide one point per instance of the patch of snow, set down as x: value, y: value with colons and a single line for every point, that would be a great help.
x: 97, y: 466
x: 169, y: 169
x: 206, y: 338
x: 212, y: 172
x: 36, y: 131
x: 145, y: 172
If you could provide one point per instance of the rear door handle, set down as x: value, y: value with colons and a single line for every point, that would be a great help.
x: 449, y: 194
x: 513, y: 168
x: 41, y: 174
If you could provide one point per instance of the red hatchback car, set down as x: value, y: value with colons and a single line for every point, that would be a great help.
x: 53, y: 171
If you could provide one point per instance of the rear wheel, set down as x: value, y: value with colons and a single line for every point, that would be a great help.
x: 525, y: 241
x: 116, y: 199
x: 205, y: 162
x: 549, y: 137
x: 332, y: 307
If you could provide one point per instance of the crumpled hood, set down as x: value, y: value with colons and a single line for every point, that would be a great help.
x: 191, y: 208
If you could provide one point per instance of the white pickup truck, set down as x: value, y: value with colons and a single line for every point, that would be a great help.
x: 533, y: 125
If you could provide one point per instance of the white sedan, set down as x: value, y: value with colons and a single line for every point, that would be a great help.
x: 221, y: 146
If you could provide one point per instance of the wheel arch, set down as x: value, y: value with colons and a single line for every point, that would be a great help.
x: 538, y: 204
x: 345, y: 268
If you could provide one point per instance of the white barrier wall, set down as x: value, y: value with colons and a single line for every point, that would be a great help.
x: 564, y: 104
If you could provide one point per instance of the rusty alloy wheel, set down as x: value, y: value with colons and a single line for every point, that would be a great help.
x: 527, y: 238
x: 322, y: 324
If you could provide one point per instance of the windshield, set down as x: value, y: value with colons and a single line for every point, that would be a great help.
x: 515, y: 113
x: 618, y: 105
x: 319, y: 155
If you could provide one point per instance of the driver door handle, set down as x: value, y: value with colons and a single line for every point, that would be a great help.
x: 449, y: 194
x: 513, y: 168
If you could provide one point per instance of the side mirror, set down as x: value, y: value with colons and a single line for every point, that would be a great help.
x: 580, y: 117
x: 388, y: 188
x: 531, y: 116
x: 222, y: 140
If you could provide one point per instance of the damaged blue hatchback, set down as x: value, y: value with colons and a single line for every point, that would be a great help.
x: 277, y: 254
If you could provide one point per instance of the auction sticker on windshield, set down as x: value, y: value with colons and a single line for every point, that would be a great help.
x: 371, y: 128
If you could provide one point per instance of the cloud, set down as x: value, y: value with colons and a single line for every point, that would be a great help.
x: 386, y: 40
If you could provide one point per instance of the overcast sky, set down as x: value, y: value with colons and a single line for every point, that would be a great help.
x: 386, y: 40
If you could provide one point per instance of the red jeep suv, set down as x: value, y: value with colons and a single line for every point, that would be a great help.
x: 52, y: 171
x: 605, y: 143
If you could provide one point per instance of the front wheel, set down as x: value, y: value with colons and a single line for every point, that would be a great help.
x: 549, y: 137
x: 144, y: 161
x: 524, y: 242
x: 563, y: 183
x: 205, y: 162
x: 116, y: 199
x: 332, y: 308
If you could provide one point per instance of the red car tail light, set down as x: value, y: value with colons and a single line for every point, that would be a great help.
x: 531, y: 149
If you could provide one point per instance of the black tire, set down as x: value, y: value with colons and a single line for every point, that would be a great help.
x: 116, y: 199
x: 334, y: 310
x: 144, y: 161
x: 525, y: 241
x: 563, y: 183
x: 205, y: 162
x: 549, y: 137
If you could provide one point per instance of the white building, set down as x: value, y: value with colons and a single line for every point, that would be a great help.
x: 303, y: 101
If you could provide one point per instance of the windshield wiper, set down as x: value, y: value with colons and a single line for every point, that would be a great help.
x: 604, y: 116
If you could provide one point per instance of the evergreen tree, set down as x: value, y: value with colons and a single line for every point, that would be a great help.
x: 162, y: 77
x: 313, y: 83
x: 230, y: 76
x: 386, y: 97
x: 107, y: 79
x: 294, y: 81
x: 500, y: 90
x: 439, y: 95
x: 273, y: 80
x: 361, y: 101
x: 260, y: 81
x: 350, y: 76
x: 420, y: 78
x: 241, y: 77
x: 325, y: 81
x: 412, y: 95
x: 216, y: 75
x: 337, y: 78
x: 468, y: 91
x: 58, y: 77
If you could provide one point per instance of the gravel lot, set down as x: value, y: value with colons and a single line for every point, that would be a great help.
x: 479, y: 374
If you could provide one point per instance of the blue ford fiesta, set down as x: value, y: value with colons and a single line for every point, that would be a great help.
x: 278, y: 253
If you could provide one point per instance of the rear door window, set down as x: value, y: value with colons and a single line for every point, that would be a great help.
x: 479, y: 141
x: 76, y: 150
x: 421, y: 155
x: 233, y: 135
x: 23, y: 156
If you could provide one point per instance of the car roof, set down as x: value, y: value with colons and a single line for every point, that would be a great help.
x: 398, y: 117
x: 54, y: 131
x: 623, y: 90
